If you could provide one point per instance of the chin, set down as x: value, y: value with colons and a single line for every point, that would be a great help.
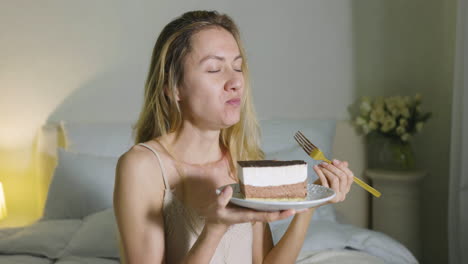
x: 230, y: 122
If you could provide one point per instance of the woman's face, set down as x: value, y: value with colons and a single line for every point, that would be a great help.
x: 212, y: 87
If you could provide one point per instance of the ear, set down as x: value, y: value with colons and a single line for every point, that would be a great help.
x: 176, y: 94
x: 169, y: 93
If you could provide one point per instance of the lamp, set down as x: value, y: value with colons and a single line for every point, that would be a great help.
x: 3, y: 209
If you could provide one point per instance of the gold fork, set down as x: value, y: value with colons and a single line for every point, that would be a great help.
x: 315, y: 153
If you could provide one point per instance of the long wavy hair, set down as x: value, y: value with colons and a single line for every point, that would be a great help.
x: 161, y: 113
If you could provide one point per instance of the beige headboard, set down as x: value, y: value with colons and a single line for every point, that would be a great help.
x: 349, y: 146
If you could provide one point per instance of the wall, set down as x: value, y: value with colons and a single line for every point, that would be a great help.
x: 405, y: 47
x: 87, y: 61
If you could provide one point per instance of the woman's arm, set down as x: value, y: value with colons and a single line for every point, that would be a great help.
x: 138, y: 202
x: 138, y: 199
x: 288, y: 248
x: 336, y: 176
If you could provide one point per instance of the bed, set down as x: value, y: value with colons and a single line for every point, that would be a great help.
x: 78, y: 226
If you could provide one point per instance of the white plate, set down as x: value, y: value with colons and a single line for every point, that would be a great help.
x: 317, y: 195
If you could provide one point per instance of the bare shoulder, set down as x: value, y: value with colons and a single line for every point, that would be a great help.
x: 140, y: 167
x: 137, y: 157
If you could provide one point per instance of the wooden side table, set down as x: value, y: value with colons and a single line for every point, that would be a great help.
x: 396, y: 212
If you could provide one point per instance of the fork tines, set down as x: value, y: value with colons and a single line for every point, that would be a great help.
x: 304, y: 142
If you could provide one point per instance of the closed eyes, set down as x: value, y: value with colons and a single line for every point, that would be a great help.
x: 215, y: 71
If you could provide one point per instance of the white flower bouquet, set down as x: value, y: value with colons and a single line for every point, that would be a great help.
x: 389, y: 123
x: 397, y: 117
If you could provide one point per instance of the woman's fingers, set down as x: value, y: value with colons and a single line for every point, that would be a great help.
x: 321, y: 176
x: 257, y: 216
x: 225, y: 196
x: 344, y: 167
x: 274, y: 216
x: 338, y: 171
x: 334, y: 183
x: 237, y: 214
x: 337, y: 177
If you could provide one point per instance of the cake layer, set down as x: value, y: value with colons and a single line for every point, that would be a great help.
x: 263, y: 173
x: 289, y: 191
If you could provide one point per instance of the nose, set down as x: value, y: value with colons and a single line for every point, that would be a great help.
x: 235, y: 82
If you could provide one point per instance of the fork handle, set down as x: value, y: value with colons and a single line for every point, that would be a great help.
x: 367, y: 187
x: 361, y: 183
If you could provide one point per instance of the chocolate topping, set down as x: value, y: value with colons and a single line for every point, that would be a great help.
x: 270, y: 163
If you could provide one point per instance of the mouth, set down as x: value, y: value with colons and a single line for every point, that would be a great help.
x: 234, y: 102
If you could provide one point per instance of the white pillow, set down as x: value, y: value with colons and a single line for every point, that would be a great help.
x: 82, y: 184
x: 97, y: 237
x: 101, y: 139
x: 45, y: 238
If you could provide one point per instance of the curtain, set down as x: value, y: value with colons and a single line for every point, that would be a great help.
x: 458, y: 187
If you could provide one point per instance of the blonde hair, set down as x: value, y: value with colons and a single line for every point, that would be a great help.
x: 161, y: 113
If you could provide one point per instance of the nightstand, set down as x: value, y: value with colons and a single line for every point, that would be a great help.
x: 396, y: 212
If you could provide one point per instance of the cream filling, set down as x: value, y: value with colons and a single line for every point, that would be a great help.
x: 273, y: 176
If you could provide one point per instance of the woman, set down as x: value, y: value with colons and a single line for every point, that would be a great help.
x: 196, y: 122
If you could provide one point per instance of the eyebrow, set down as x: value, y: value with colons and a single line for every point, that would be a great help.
x: 218, y: 58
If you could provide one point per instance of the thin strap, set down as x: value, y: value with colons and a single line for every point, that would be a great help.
x: 166, y: 184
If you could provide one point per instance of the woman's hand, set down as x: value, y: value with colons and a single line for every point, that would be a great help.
x: 336, y: 176
x: 221, y: 214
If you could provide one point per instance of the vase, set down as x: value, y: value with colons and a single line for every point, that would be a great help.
x: 389, y: 153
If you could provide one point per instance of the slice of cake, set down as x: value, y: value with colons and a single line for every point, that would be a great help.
x: 271, y: 179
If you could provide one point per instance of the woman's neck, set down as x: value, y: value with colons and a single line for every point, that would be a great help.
x: 193, y: 145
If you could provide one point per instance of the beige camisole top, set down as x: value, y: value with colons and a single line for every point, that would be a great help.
x: 182, y: 226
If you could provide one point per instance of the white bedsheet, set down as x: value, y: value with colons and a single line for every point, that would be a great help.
x: 338, y: 256
x: 323, y: 236
x: 85, y: 260
x: 326, y: 242
x: 24, y: 259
